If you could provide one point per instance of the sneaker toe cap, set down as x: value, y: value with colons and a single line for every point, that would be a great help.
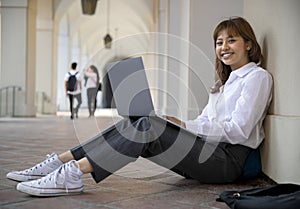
x: 14, y: 175
x: 26, y: 187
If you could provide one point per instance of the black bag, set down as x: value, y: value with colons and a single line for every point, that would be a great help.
x: 280, y: 196
x: 72, y: 82
x: 99, y: 86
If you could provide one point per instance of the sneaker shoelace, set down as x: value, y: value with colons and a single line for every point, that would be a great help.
x: 34, y: 168
x: 56, y: 175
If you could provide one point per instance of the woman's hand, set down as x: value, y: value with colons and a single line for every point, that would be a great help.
x: 175, y: 120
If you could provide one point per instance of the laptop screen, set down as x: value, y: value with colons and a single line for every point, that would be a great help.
x: 130, y: 87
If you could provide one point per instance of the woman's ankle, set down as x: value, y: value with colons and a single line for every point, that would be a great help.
x: 65, y: 157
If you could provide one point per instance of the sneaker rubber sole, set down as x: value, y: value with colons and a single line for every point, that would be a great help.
x: 48, y: 192
x: 22, y: 177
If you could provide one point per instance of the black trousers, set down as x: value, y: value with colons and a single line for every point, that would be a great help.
x: 79, y: 102
x: 165, y: 144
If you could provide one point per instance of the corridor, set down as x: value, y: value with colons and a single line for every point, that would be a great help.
x: 41, y: 38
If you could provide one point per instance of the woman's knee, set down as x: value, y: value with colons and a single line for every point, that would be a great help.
x: 142, y: 123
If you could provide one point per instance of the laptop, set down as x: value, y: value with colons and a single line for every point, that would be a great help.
x: 130, y: 89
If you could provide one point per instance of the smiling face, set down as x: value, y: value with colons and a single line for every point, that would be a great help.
x: 232, y: 50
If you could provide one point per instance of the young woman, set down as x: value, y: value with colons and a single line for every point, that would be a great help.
x: 213, y: 148
x: 92, y: 82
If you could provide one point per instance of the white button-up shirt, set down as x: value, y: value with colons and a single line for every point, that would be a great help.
x: 235, y: 114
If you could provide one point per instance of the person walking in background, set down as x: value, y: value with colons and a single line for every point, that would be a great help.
x: 92, y: 81
x: 73, y: 89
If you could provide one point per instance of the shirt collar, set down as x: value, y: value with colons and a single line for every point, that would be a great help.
x: 242, y: 71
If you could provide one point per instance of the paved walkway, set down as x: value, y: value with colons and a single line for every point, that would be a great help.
x: 142, y: 184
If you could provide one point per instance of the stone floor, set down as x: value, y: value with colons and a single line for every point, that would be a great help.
x: 142, y: 184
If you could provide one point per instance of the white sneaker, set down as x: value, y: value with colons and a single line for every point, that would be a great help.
x: 38, y: 171
x: 63, y: 181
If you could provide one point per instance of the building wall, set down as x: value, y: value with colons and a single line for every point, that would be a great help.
x: 204, y: 17
x: 277, y: 27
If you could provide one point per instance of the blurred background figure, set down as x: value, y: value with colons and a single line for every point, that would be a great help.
x: 73, y: 89
x: 91, y: 76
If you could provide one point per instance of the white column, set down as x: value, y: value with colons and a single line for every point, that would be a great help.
x: 18, y: 27
x: 162, y: 58
x: 74, y: 50
x: 277, y: 28
x: 61, y: 59
x: 13, y: 42
x: 44, y: 57
x: 177, y: 58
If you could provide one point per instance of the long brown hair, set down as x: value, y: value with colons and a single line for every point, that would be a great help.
x: 237, y: 26
x: 93, y: 67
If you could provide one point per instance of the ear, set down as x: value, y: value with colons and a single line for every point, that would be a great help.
x: 248, y: 46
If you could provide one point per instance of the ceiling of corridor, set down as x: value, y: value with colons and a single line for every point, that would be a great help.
x: 119, y: 18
